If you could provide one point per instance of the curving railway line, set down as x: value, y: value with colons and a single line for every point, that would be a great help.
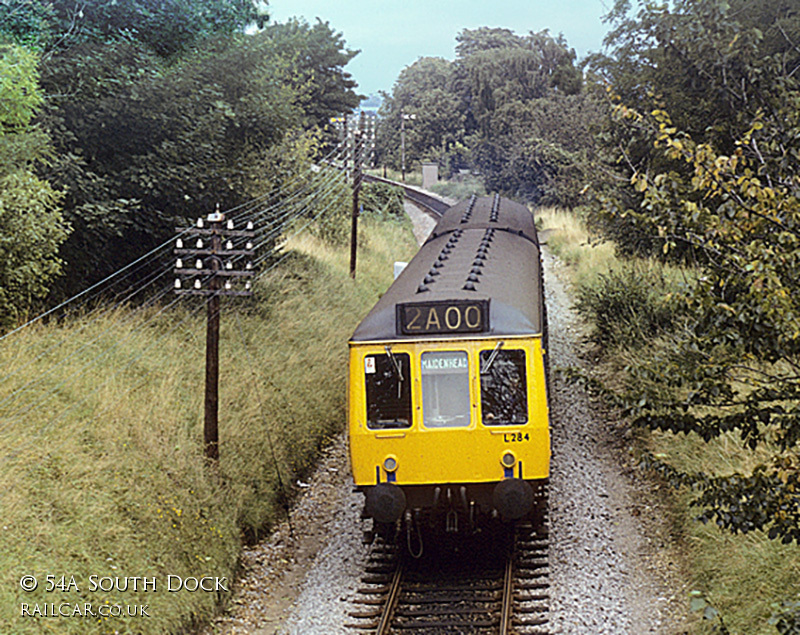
x: 430, y: 204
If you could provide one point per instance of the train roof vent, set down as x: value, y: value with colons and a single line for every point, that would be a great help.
x: 471, y: 206
x: 444, y: 255
x: 481, y: 255
x: 494, y: 216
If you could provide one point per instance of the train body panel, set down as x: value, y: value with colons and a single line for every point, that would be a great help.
x: 447, y: 385
x: 464, y: 442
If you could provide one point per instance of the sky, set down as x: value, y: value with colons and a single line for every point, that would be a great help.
x: 393, y: 34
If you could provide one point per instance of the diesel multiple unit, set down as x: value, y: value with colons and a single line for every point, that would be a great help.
x: 448, y: 408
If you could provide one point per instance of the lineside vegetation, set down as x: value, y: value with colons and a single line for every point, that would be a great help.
x: 107, y: 477
x: 633, y: 312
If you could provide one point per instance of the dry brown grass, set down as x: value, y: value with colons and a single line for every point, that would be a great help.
x: 102, y: 465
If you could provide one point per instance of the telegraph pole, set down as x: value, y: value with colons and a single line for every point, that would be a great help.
x: 357, y: 156
x: 211, y: 418
x: 403, y: 117
x: 205, y: 279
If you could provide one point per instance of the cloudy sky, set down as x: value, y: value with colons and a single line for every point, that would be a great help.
x: 393, y: 34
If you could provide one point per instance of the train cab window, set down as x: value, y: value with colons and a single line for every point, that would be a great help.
x: 388, y: 387
x: 445, y: 389
x: 504, y: 399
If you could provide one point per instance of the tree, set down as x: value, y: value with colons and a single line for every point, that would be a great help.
x: 720, y: 180
x: 495, y: 67
x: 422, y: 90
x: 505, y: 107
x: 166, y: 27
x: 31, y: 225
x: 315, y: 57
x: 27, y: 23
x: 713, y: 65
x: 738, y: 367
x: 542, y: 150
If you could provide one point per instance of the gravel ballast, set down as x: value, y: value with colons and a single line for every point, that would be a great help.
x: 613, y: 569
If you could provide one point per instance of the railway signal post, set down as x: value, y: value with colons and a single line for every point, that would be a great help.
x: 214, y: 262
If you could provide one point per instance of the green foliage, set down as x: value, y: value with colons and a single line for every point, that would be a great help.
x: 31, y: 224
x: 510, y: 107
x: 142, y: 144
x: 315, y: 57
x: 333, y: 225
x: 728, y: 196
x: 699, y: 604
x: 459, y: 187
x: 714, y: 66
x: 628, y: 307
x: 102, y: 463
x: 540, y: 150
x: 167, y: 27
x: 744, y: 577
x: 382, y: 200
x: 20, y: 95
x: 422, y: 91
x: 787, y: 618
x: 494, y: 67
x: 27, y: 22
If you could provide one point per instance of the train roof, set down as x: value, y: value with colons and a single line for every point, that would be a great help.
x: 479, y: 272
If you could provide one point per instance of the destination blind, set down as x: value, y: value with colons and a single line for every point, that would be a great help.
x: 442, y: 317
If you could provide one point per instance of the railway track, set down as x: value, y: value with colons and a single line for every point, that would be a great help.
x: 432, y: 205
x: 495, y: 582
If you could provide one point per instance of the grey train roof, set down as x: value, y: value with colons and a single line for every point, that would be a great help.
x: 481, y: 248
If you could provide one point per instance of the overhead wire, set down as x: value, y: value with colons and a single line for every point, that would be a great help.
x: 126, y: 271
x: 278, y: 188
x: 86, y: 291
x: 48, y: 425
x: 102, y: 287
x: 74, y: 376
x: 293, y: 208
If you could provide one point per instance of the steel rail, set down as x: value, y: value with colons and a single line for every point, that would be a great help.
x: 430, y: 204
x: 391, y: 601
x: 508, y: 595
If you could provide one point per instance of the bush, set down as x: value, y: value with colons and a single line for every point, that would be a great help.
x: 382, y: 200
x: 102, y: 468
x: 627, y: 306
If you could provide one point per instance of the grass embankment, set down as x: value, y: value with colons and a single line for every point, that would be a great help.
x: 102, y: 466
x: 742, y: 576
x: 413, y: 176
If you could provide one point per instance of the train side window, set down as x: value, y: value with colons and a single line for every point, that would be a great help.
x: 445, y: 389
x: 504, y: 398
x: 388, y: 387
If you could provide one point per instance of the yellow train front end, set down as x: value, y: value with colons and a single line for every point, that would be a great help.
x: 453, y: 429
x: 448, y: 408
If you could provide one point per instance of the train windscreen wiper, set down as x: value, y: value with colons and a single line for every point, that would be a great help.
x: 492, y: 357
x: 397, y: 368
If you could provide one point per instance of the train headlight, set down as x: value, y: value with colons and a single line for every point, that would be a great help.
x: 508, y: 459
x: 390, y: 464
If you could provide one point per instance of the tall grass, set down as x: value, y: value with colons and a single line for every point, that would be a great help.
x: 102, y: 464
x: 413, y: 175
x: 460, y: 188
x: 743, y: 576
x: 567, y: 237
